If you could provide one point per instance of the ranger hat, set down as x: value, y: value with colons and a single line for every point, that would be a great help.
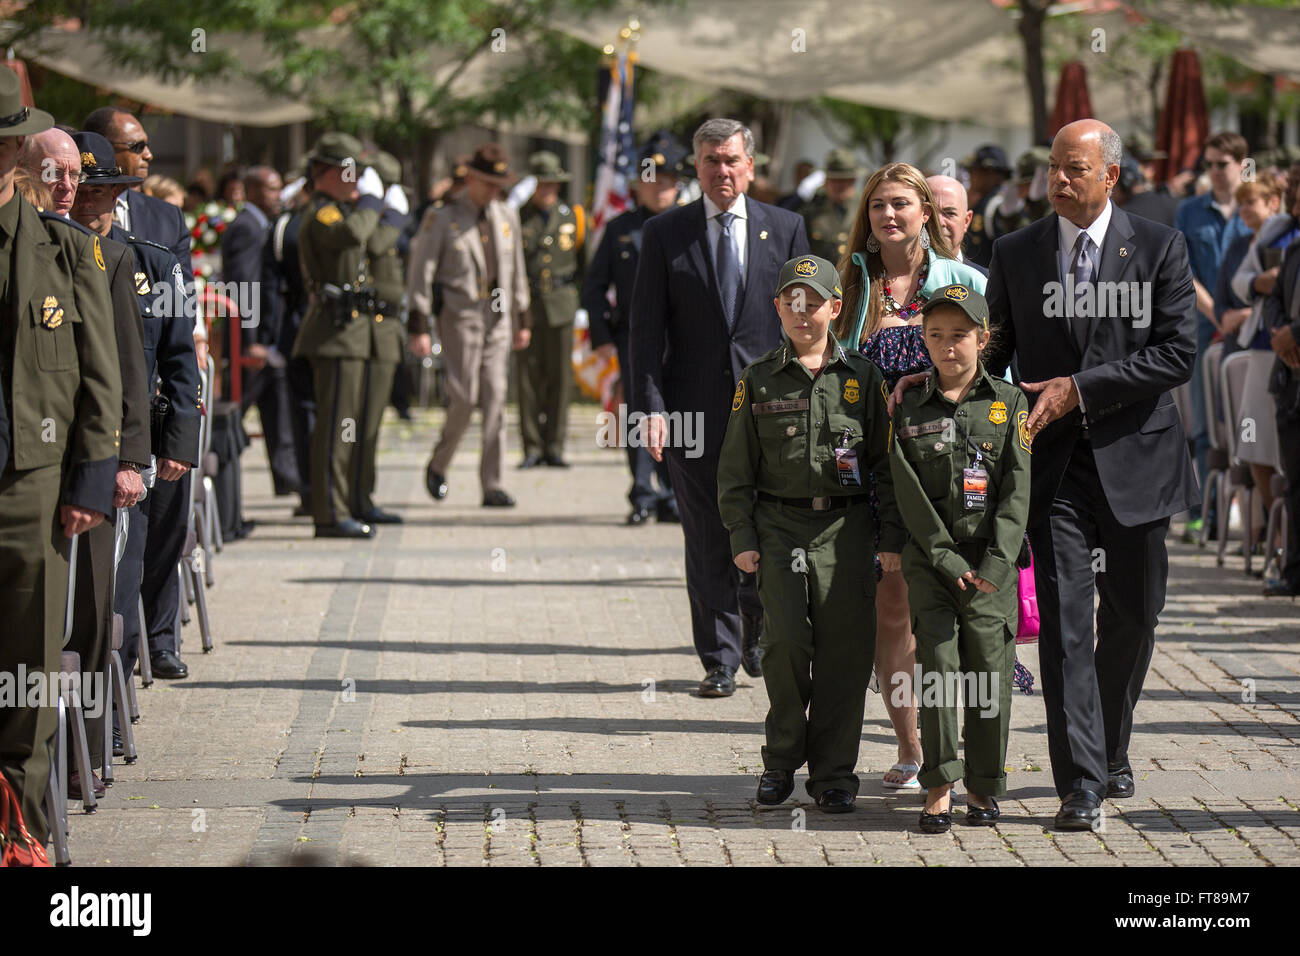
x: 336, y: 149
x: 489, y: 161
x: 963, y: 297
x: 1028, y: 162
x: 16, y: 119
x: 545, y: 167
x: 842, y: 164
x: 813, y: 271
x: 386, y: 165
x: 98, y: 163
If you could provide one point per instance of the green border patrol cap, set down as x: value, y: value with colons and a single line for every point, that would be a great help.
x: 965, y: 298
x: 812, y: 271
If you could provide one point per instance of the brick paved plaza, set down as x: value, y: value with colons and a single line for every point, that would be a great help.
x: 516, y: 688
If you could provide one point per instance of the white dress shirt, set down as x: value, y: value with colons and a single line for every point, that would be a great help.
x: 122, y: 212
x: 1068, y: 233
x: 739, y: 229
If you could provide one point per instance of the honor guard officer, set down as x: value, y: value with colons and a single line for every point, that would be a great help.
x: 553, y: 234
x: 59, y: 368
x: 386, y: 266
x: 829, y: 215
x: 808, y: 422
x: 467, y: 271
x: 337, y: 335
x: 961, y: 477
x: 988, y: 170
x: 613, y: 269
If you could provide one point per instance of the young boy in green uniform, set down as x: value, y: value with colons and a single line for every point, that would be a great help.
x: 961, y: 473
x: 807, y: 421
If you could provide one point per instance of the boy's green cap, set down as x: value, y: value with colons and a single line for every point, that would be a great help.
x: 963, y: 297
x: 812, y: 271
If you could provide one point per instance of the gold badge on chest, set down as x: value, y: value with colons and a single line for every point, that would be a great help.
x: 566, y: 241
x: 51, y: 313
x: 852, y: 391
x: 328, y: 215
x: 141, y: 283
x: 998, y: 413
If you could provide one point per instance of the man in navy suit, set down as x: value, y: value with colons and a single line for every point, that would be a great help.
x: 701, y: 311
x: 1099, y: 309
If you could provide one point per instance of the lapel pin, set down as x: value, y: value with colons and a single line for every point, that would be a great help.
x: 763, y: 234
x: 1123, y: 250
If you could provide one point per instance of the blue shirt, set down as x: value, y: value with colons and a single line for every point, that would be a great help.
x: 1208, y: 236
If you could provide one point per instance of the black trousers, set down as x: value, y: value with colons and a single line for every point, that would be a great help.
x: 92, y: 619
x: 147, y: 570
x: 1288, y: 443
x: 1089, y: 693
x: 639, y: 462
x: 302, y: 419
x: 268, y: 388
x: 719, y: 591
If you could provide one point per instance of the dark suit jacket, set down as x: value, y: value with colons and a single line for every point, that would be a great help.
x: 613, y: 264
x: 241, y: 261
x: 1125, y: 374
x: 284, y: 297
x: 1281, y: 308
x: 684, y: 358
x: 161, y: 222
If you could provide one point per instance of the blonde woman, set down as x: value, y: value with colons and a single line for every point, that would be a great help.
x: 897, y: 255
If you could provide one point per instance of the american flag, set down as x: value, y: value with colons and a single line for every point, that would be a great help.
x: 611, y: 195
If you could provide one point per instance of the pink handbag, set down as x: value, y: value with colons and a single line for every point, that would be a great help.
x: 1027, y: 629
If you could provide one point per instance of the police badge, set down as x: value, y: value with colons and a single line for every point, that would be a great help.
x: 51, y: 313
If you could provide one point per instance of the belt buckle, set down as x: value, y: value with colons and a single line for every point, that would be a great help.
x: 821, y: 503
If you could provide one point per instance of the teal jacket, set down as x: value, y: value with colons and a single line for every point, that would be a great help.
x: 942, y: 272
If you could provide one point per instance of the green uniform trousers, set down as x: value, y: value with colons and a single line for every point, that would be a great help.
x: 965, y: 641
x: 33, y: 602
x: 545, y: 371
x: 817, y: 586
x: 377, y: 388
x: 337, y: 437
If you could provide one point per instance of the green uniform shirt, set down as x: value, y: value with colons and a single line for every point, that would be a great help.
x: 552, y: 240
x: 929, y: 455
x: 387, y: 270
x: 785, y: 426
x: 332, y: 249
x: 828, y: 226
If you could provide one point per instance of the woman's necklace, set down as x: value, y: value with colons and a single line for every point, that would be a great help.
x: 918, y: 298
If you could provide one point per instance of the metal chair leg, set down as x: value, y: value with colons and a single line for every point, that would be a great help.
x: 186, y: 597
x: 121, y: 699
x: 1248, y: 529
x: 110, y: 705
x: 142, y: 654
x: 56, y: 795
x: 81, y: 750
x: 201, y: 608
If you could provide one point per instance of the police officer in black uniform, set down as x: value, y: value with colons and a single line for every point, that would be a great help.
x: 988, y: 169
x: 614, y: 265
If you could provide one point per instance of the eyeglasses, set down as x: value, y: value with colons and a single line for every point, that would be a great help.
x: 138, y: 147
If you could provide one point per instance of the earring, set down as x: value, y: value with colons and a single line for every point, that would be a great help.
x: 872, y: 243
x: 925, y: 238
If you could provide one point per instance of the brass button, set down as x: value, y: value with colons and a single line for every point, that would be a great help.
x: 355, y: 313
x: 938, y: 446
x: 791, y: 430
x: 546, y: 257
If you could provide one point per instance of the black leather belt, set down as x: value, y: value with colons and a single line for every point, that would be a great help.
x: 820, y: 503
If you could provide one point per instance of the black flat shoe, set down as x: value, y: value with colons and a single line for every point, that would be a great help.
x: 531, y: 461
x: 936, y: 822
x: 347, y: 528
x: 1081, y: 810
x: 380, y: 516
x: 498, y: 498
x: 719, y: 682
x: 751, y: 655
x: 1119, y: 783
x: 982, y: 816
x: 555, y: 461
x: 835, y: 801
x: 775, y: 786
x: 638, y: 516
x: 168, y: 665
x: 436, y: 483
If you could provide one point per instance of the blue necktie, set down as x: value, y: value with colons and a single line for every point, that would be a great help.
x: 728, y: 269
x: 1083, y: 273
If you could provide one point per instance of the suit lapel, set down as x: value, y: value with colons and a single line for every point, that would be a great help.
x: 702, y: 256
x: 1117, y: 256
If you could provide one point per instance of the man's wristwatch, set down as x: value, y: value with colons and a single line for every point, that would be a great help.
x: 133, y: 466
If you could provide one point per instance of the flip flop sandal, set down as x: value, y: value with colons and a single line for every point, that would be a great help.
x: 907, y: 770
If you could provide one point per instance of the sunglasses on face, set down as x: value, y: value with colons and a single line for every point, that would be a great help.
x: 138, y: 147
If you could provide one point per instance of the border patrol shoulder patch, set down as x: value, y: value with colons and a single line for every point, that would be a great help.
x: 99, y: 256
x: 1023, y: 431
x: 328, y: 215
x: 738, y: 399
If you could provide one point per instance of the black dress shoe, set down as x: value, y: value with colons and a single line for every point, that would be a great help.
x: 936, y: 822
x: 666, y: 512
x: 775, y: 786
x: 555, y: 461
x: 531, y: 461
x: 638, y: 516
x: 719, y: 682
x: 1081, y: 810
x: 982, y: 816
x: 1279, y: 587
x: 347, y: 528
x: 1119, y: 782
x: 74, y: 786
x: 380, y: 516
x: 168, y: 665
x: 498, y: 498
x: 835, y: 801
x: 436, y: 483
x: 751, y: 655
